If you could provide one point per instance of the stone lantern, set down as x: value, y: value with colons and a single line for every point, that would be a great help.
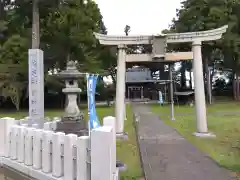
x: 73, y: 119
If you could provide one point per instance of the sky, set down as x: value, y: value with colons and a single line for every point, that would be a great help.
x: 146, y: 17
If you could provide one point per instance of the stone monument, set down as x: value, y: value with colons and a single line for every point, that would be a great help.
x: 36, y: 86
x: 73, y: 120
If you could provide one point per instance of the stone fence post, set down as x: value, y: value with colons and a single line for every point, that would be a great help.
x: 5, y: 128
x: 102, y: 153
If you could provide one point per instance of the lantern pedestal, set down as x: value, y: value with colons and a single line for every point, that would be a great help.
x: 73, y: 121
x: 72, y: 125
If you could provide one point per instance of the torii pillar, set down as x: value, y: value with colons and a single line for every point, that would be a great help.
x: 196, y: 38
x: 200, y: 103
x: 120, y: 91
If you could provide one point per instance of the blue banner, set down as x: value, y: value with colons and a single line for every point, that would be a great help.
x: 91, y: 90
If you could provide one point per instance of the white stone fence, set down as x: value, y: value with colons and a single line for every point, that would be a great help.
x: 44, y: 154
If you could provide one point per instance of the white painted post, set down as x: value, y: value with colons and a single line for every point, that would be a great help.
x: 46, y: 151
x: 27, y: 121
x: 200, y: 103
x: 3, y: 136
x: 54, y: 124
x: 28, y: 156
x: 82, y: 158
x: 101, y: 153
x: 37, y: 148
x: 69, y: 155
x: 58, y: 141
x: 13, y: 144
x: 120, y: 89
x: 111, y: 121
x: 6, y: 125
x: 22, y: 121
x: 47, y: 126
x: 36, y: 126
x: 21, y: 143
x: 56, y: 119
x: 36, y: 85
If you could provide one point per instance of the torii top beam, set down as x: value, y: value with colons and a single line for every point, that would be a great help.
x: 209, y: 35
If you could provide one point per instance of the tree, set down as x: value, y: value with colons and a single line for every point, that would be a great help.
x: 13, y: 70
x: 66, y: 33
x: 69, y: 35
x: 198, y: 15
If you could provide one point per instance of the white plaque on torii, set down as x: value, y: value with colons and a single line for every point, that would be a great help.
x: 36, y: 85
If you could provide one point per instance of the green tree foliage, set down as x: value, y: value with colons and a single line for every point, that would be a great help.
x: 13, y: 55
x: 199, y: 15
x: 69, y: 31
x: 66, y: 33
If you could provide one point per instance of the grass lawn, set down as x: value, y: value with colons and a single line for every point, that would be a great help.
x: 127, y: 151
x: 225, y: 148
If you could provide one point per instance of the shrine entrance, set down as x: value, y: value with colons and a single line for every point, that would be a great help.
x: 135, y: 92
x: 160, y: 54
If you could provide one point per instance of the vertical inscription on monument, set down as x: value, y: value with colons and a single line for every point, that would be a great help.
x: 36, y: 85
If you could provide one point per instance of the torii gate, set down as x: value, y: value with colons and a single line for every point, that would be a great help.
x: 196, y: 38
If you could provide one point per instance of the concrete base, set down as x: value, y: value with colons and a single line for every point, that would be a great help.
x: 72, y: 125
x: 204, y: 135
x: 27, y: 171
x: 121, y: 166
x: 10, y: 173
x: 122, y: 136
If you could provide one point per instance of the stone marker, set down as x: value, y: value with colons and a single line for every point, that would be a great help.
x: 36, y: 86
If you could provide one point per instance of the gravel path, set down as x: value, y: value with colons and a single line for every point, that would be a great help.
x: 166, y: 155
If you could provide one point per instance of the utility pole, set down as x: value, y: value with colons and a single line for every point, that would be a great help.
x: 209, y: 85
x: 171, y: 92
x: 35, y: 25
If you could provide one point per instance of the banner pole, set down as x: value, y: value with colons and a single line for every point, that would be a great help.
x: 89, y: 128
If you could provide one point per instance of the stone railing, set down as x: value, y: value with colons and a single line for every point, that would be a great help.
x: 44, y: 154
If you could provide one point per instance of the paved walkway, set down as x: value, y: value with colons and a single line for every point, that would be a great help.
x: 168, y: 156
